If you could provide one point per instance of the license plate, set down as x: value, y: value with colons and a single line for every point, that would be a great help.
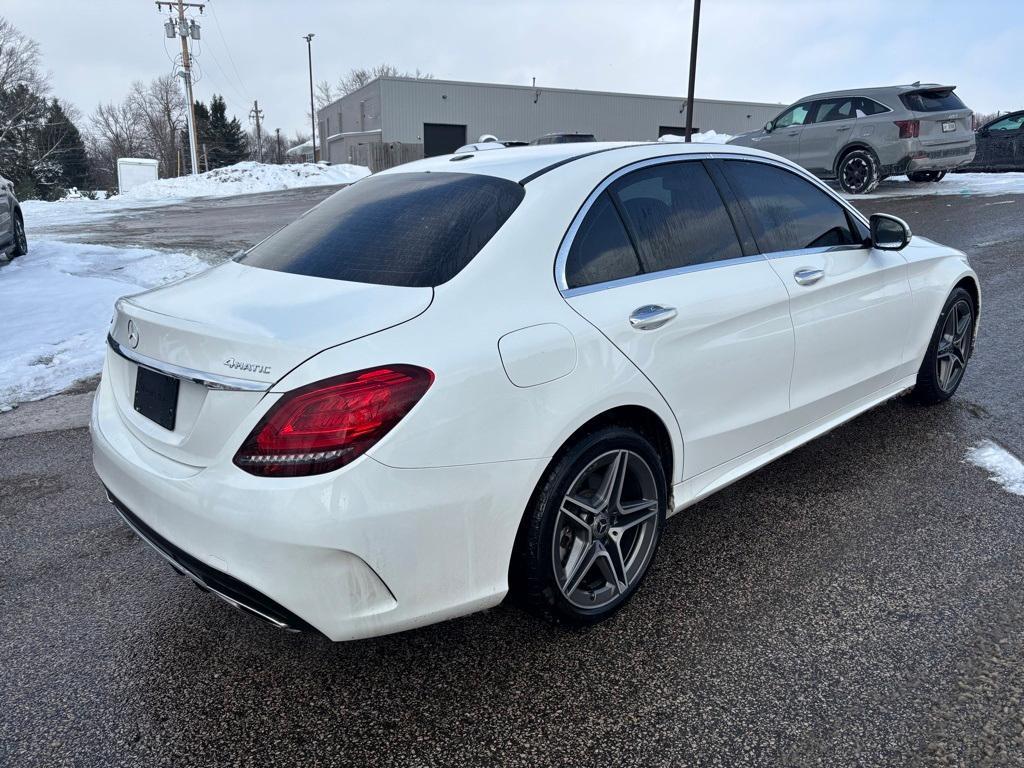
x: 948, y: 126
x: 156, y: 397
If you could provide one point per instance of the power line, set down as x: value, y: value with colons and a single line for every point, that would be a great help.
x: 227, y: 49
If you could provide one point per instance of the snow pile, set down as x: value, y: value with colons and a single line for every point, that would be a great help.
x: 707, y: 137
x: 952, y: 184
x: 246, y: 178
x: 1003, y: 467
x: 57, y: 305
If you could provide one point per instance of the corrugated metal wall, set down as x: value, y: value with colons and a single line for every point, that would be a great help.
x: 516, y: 112
x: 399, y: 107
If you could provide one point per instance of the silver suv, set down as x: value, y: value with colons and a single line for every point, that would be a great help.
x: 861, y: 137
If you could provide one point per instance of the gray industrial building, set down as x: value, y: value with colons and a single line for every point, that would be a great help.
x: 392, y: 120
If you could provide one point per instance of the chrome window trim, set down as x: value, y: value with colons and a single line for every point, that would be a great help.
x: 570, y: 234
x: 208, y: 380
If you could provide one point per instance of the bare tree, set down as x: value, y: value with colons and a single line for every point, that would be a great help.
x: 160, y: 106
x: 325, y: 94
x: 21, y: 77
x: 360, y: 76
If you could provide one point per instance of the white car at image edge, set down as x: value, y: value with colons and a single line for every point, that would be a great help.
x: 503, y: 371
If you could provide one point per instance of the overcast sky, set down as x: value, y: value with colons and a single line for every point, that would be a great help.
x: 757, y: 50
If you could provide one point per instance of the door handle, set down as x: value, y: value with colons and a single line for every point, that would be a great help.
x: 808, y: 276
x: 844, y: 128
x: 793, y: 133
x: 651, y: 316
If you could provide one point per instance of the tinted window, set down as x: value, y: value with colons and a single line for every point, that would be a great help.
x: 834, y: 109
x: 870, y: 107
x: 932, y: 101
x: 602, y: 250
x: 408, y: 229
x: 795, y: 116
x: 1008, y: 123
x: 786, y: 212
x: 676, y: 216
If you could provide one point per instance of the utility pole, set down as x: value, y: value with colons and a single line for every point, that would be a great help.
x: 278, y: 132
x: 257, y: 113
x: 185, y: 30
x: 312, y: 111
x: 693, y: 68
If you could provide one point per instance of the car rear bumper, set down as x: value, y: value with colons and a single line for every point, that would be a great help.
x: 360, y: 552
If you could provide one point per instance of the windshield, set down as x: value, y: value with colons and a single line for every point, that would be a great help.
x: 404, y: 229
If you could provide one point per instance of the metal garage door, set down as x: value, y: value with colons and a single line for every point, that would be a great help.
x: 442, y: 139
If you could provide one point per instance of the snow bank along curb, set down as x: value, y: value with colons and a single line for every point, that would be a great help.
x: 58, y: 301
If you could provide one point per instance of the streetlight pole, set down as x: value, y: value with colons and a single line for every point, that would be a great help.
x: 312, y: 111
x: 693, y: 68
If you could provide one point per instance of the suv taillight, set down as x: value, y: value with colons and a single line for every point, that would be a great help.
x: 909, y: 129
x: 326, y: 425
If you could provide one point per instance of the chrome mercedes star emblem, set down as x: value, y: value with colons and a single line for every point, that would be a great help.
x: 133, y: 334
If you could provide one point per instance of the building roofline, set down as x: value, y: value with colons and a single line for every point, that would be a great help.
x: 546, y: 89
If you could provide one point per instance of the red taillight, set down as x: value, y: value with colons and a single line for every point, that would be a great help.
x: 909, y: 129
x: 326, y: 425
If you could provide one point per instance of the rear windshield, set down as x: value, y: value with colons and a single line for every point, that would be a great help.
x: 405, y: 229
x: 932, y: 101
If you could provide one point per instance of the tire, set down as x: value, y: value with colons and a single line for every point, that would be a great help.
x: 949, y: 350
x: 920, y: 177
x: 20, y: 238
x: 574, y: 533
x: 858, y: 172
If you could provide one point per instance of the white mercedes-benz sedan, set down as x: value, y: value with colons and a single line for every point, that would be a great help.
x: 504, y: 370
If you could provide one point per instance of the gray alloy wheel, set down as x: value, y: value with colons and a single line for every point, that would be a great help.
x: 954, y: 346
x: 606, y: 529
x: 949, y: 350
x: 858, y: 172
x: 20, y: 239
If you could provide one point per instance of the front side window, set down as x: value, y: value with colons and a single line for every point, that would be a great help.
x: 676, y: 216
x: 785, y: 212
x: 794, y: 116
x: 1014, y: 123
x: 403, y: 229
x: 601, y: 251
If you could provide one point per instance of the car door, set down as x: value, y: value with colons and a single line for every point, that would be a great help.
x: 656, y: 265
x: 1000, y: 143
x: 784, y: 138
x: 828, y: 127
x: 850, y: 303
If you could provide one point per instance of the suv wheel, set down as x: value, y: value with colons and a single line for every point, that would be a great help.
x: 919, y: 177
x: 858, y: 172
x: 592, y: 528
x: 20, y: 240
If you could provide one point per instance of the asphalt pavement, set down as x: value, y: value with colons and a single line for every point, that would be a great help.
x: 857, y: 602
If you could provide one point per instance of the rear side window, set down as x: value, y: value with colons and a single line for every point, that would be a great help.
x: 834, y: 109
x: 938, y: 100
x: 403, y: 229
x: 786, y: 212
x: 602, y: 250
x: 676, y: 216
x: 870, y: 107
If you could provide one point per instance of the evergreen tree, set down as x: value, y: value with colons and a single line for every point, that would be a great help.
x: 228, y: 142
x: 60, y: 142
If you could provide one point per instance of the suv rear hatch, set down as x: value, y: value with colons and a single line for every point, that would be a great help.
x: 943, y: 117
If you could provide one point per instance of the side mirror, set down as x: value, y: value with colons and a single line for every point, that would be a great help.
x: 769, y: 126
x: 889, y: 233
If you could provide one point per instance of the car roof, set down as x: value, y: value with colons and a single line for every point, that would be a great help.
x: 521, y: 164
x: 875, y: 91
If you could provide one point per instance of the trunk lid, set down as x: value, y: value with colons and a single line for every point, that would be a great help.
x: 944, y: 118
x: 242, y: 327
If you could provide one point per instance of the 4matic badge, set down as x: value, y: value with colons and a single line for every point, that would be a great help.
x: 238, y: 365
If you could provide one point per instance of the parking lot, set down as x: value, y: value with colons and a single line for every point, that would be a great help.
x: 859, y: 601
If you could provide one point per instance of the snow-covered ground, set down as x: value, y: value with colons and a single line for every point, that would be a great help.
x: 245, y: 178
x: 57, y: 304
x: 240, y: 179
x: 953, y: 184
x: 1003, y: 467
